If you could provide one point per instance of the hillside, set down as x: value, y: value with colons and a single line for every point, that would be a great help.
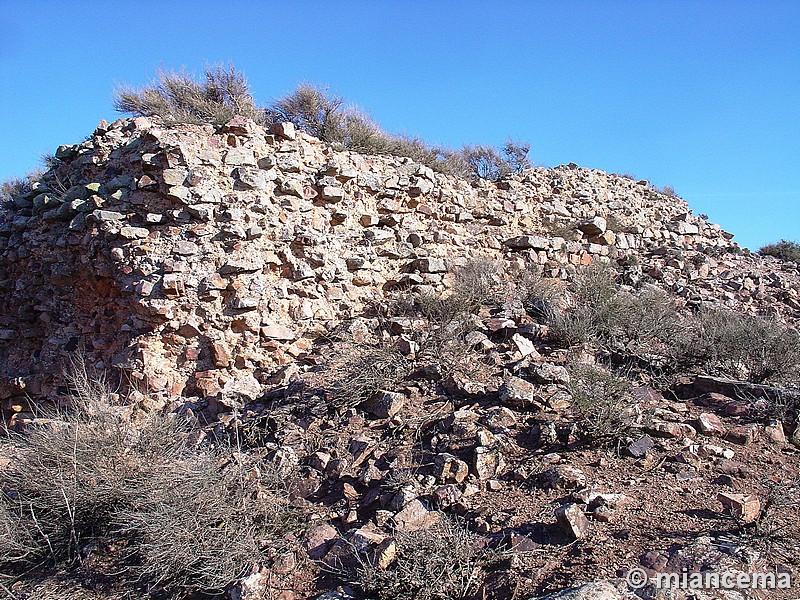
x: 396, y: 342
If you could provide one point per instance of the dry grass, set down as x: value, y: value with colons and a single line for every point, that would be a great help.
x: 600, y: 401
x: 182, y: 516
x: 361, y: 370
x: 178, y: 97
x: 445, y: 562
x: 742, y: 346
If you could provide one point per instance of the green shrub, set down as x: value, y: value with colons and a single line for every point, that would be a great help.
x: 176, y: 98
x: 443, y: 562
x: 785, y: 250
x: 601, y: 402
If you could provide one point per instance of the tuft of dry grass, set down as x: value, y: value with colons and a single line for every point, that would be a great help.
x: 601, y: 401
x: 183, y: 515
x: 444, y: 562
x: 178, y: 97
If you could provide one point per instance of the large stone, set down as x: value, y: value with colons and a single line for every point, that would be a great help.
x: 318, y: 539
x: 596, y: 590
x: 415, y: 515
x: 747, y: 508
x: 431, y: 265
x: 520, y: 394
x: 525, y: 242
x: 450, y: 469
x: 593, y: 227
x: 385, y: 404
x: 711, y: 424
x: 285, y: 129
x: 572, y: 521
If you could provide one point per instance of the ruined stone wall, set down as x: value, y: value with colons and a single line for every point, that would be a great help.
x: 199, y: 261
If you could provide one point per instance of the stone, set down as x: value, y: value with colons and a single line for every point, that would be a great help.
x: 107, y: 216
x: 414, y: 516
x: 548, y: 373
x: 244, y: 386
x: 744, y: 435
x: 487, y: 462
x: 774, y: 432
x: 332, y: 194
x: 572, y: 521
x: 220, y: 355
x: 593, y: 227
x: 520, y: 394
x: 450, y: 469
x: 173, y: 285
x: 133, y: 233
x: 251, y: 178
x: 285, y: 129
x: 431, y: 265
x: 641, y: 446
x: 745, y: 507
x: 385, y: 404
x: 318, y: 539
x: 525, y: 346
x: 173, y: 177
x: 597, y: 590
x: 526, y: 242
x: 278, y: 332
x: 711, y: 424
x: 563, y: 477
x: 239, y: 156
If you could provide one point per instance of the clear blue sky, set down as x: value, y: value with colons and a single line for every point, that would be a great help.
x: 700, y: 95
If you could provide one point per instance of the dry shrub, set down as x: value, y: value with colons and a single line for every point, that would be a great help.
x: 178, y: 97
x: 742, y: 346
x: 312, y: 110
x: 775, y: 534
x: 450, y: 316
x: 539, y: 297
x: 602, y: 402
x: 595, y: 308
x: 202, y: 525
x: 187, y: 516
x: 443, y: 562
x: 487, y: 162
x: 361, y: 370
x: 784, y: 250
x: 627, y: 322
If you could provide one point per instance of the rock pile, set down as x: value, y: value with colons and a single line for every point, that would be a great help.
x: 201, y: 261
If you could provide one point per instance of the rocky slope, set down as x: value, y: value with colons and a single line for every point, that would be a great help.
x: 208, y: 266
x: 200, y: 262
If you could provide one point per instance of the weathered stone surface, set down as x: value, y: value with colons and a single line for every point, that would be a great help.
x: 597, y: 590
x: 641, y: 446
x: 572, y: 521
x: 593, y: 227
x: 520, y: 394
x: 415, y: 515
x: 525, y: 242
x: 742, y: 506
x: 385, y: 404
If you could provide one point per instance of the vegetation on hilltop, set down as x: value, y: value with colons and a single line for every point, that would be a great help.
x: 177, y: 97
x: 784, y: 250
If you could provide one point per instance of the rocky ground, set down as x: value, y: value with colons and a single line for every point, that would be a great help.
x: 248, y: 280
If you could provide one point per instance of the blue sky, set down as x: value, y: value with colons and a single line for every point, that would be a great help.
x: 703, y: 96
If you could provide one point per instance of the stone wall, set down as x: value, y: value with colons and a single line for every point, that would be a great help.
x: 198, y: 262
